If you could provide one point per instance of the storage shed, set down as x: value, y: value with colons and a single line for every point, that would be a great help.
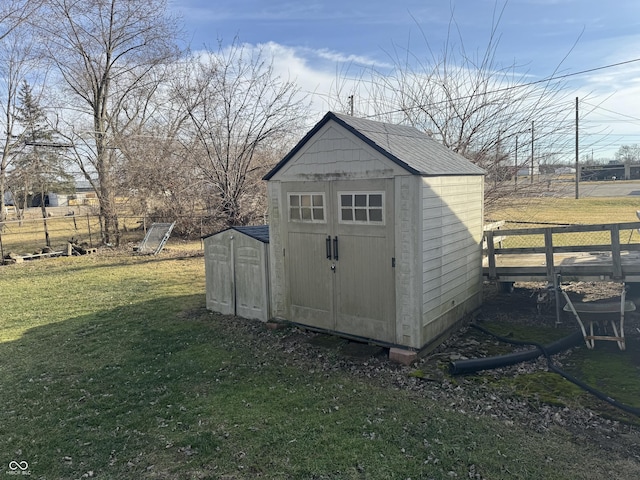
x: 237, y: 272
x: 375, y: 233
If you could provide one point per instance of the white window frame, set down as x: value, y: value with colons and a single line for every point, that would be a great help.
x: 367, y: 207
x: 311, y: 207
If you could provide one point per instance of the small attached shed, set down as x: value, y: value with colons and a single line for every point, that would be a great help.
x: 237, y: 272
x: 375, y: 233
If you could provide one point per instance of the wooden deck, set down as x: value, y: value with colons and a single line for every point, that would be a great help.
x: 614, y: 262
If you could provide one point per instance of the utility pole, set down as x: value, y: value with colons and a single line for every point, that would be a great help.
x: 497, y: 164
x: 577, y: 152
x: 532, y: 138
x: 516, y: 176
x: 351, y: 105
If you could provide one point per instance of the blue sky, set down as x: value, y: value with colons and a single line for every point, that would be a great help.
x: 314, y: 39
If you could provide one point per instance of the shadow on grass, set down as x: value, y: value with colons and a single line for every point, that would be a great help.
x: 95, y: 392
x: 166, y: 389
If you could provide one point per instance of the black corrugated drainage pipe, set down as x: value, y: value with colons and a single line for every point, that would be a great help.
x: 474, y: 365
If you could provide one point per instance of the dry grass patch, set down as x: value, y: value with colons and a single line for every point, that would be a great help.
x: 563, y: 211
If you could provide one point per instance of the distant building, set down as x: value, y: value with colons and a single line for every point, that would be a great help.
x: 610, y: 171
x: 84, y: 195
x: 526, y: 171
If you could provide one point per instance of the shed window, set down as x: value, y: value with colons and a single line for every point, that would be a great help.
x: 306, y: 207
x: 362, y: 207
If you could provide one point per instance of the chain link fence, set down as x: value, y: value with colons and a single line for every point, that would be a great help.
x: 34, y: 234
x: 54, y: 233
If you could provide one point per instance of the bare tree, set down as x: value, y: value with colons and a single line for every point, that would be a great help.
x: 241, y: 116
x: 161, y: 181
x: 13, y: 13
x: 104, y: 52
x: 16, y: 62
x: 628, y: 154
x: 157, y: 171
x: 477, y: 107
x: 15, y: 55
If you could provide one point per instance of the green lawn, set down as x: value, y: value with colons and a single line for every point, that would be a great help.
x: 111, y: 367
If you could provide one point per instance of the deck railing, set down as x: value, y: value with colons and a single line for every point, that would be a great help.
x: 547, y: 241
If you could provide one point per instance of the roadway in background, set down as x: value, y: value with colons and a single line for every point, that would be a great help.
x: 612, y: 188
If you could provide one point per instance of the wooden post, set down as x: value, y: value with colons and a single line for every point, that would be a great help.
x: 615, y: 251
x: 548, y: 252
x: 89, y: 228
x: 47, y: 240
x: 491, y: 255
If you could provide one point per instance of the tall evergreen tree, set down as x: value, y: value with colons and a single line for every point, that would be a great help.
x: 39, y: 167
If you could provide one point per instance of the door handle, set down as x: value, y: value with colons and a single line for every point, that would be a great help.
x: 328, y: 247
x: 335, y: 248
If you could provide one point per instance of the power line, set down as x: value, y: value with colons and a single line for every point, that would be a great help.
x: 521, y: 85
x: 582, y: 72
x: 614, y: 112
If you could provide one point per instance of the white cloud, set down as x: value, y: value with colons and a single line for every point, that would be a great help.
x: 327, y: 82
x: 340, y: 57
x: 329, y: 77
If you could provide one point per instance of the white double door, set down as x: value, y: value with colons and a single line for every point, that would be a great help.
x: 339, y: 256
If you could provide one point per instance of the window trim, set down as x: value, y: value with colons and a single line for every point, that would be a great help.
x: 311, y: 207
x: 382, y: 208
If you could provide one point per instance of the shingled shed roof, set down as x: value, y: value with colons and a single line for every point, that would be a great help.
x: 408, y: 147
x: 258, y: 232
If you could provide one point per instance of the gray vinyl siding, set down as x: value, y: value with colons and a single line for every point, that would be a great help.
x: 451, y: 234
x: 276, y: 247
x: 237, y: 275
x: 425, y: 259
x: 335, y: 154
x: 408, y: 272
x: 219, y: 280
